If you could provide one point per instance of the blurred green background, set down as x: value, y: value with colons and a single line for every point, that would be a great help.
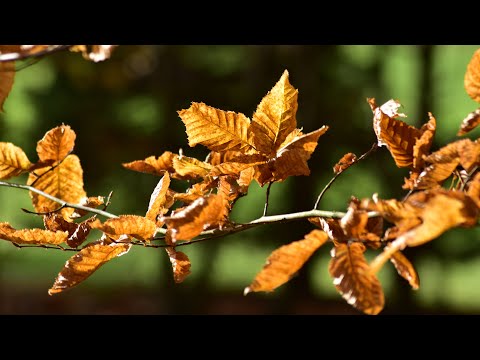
x: 124, y: 109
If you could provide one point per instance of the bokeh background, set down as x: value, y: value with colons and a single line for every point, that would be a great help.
x: 125, y: 109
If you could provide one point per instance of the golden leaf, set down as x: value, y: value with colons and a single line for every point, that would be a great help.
x: 152, y: 165
x: 405, y: 269
x: 216, y: 129
x: 180, y: 264
x: 7, y: 75
x: 472, y: 77
x: 13, y: 161
x: 190, y: 168
x: 65, y: 182
x: 474, y: 189
x: 344, y: 163
x: 237, y: 165
x: 230, y: 190
x: 31, y: 236
x: 275, y: 118
x: 291, y: 158
x: 91, y: 202
x: 196, y: 217
x: 83, y: 264
x: 424, y: 142
x: 353, y: 279
x: 56, y: 144
x: 286, y: 261
x: 134, y: 225
x: 194, y: 192
x: 469, y: 123
x: 158, y: 200
x: 245, y: 178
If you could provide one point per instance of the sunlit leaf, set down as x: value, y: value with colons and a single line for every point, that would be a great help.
x: 158, y: 200
x: 31, y: 236
x: 275, y: 118
x: 7, y: 75
x: 191, y: 168
x: 83, y: 264
x: 199, y: 215
x: 354, y: 280
x: 216, y: 129
x: 194, y: 192
x: 469, y: 123
x: 133, y: 225
x: 56, y: 144
x: 405, y: 269
x: 91, y: 202
x: 237, y: 165
x: 344, y: 163
x: 13, y: 161
x: 65, y: 181
x: 286, y: 261
x: 153, y: 165
x: 472, y: 77
x: 180, y: 264
x: 474, y: 189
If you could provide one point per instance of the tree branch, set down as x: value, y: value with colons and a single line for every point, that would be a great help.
x: 27, y: 55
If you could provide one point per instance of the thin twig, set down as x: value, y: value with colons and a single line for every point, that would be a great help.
x: 372, y: 149
x: 265, y: 209
x: 43, y: 213
x: 49, y: 170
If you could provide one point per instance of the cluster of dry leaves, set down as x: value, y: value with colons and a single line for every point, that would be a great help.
x: 267, y: 148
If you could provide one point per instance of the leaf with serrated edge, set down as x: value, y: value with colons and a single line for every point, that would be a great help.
x: 354, y: 280
x: 237, y: 165
x: 192, y: 220
x: 31, y: 236
x: 158, y: 200
x: 83, y: 264
x: 472, y: 77
x: 13, y: 161
x: 216, y: 129
x: 286, y: 261
x: 191, y: 168
x: 405, y: 269
x: 7, y: 75
x: 56, y: 144
x: 134, y: 225
x: 65, y: 182
x: 275, y: 118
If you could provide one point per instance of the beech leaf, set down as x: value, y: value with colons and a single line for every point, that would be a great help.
x: 472, y: 77
x: 13, y: 161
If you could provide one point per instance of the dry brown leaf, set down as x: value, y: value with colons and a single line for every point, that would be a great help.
x: 424, y: 142
x: 245, y: 179
x: 238, y: 164
x: 153, y: 165
x: 190, y: 168
x: 229, y: 189
x: 7, y: 75
x: 216, y: 129
x: 275, y: 118
x: 31, y: 236
x: 286, y: 261
x: 291, y: 158
x: 64, y: 182
x: 474, y: 189
x: 56, y: 144
x: 133, y: 225
x: 158, y: 200
x: 472, y: 77
x: 194, y: 192
x: 396, y: 135
x: 180, y: 264
x: 77, y: 233
x: 91, y: 202
x: 196, y: 217
x: 83, y: 264
x: 331, y: 227
x: 353, y: 279
x: 469, y: 123
x: 13, y: 161
x: 94, y: 53
x: 355, y: 224
x: 405, y: 269
x: 344, y: 163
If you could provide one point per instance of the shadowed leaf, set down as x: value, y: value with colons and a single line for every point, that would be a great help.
x: 474, y: 189
x: 405, y: 269
x: 83, y: 264
x: 180, y: 264
x: 354, y: 280
x: 286, y: 261
x: 13, y: 161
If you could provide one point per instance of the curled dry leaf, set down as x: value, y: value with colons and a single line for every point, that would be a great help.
x: 56, y: 144
x: 31, y: 236
x: 472, y: 77
x: 180, y: 264
x: 13, y: 161
x: 83, y: 264
x: 354, y: 280
x: 133, y: 225
x: 286, y: 261
x: 474, y: 189
x: 344, y: 163
x: 216, y: 129
x: 469, y: 123
x: 405, y: 269
x: 77, y: 233
x: 65, y: 182
x: 158, y: 200
x: 7, y: 75
x: 153, y: 165
x: 199, y: 215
